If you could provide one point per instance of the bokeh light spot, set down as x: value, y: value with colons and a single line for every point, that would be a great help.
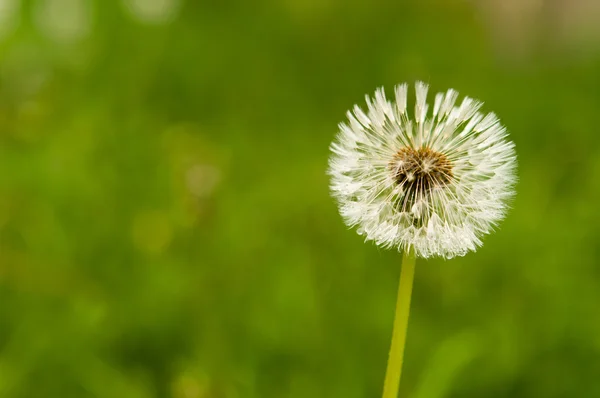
x: 9, y: 16
x: 153, y: 11
x: 64, y: 21
x: 202, y: 179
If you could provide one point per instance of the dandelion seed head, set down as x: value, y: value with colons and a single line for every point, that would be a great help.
x: 435, y: 181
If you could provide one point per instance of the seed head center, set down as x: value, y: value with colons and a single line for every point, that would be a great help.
x: 420, y: 170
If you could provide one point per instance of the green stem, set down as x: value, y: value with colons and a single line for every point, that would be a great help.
x: 394, y: 367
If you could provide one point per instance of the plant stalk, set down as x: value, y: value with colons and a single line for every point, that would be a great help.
x: 395, y: 359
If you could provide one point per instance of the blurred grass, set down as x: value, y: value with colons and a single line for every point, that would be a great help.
x: 166, y: 228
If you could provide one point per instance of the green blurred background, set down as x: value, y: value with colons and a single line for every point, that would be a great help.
x: 166, y: 228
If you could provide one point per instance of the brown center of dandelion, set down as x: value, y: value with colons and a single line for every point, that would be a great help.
x: 418, y: 171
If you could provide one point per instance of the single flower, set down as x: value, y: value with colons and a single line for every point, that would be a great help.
x: 432, y: 182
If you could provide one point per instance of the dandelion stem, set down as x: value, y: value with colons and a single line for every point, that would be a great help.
x: 394, y: 366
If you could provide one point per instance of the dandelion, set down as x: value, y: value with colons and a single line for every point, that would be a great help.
x: 428, y: 184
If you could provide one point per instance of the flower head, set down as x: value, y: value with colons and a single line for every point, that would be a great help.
x: 434, y: 182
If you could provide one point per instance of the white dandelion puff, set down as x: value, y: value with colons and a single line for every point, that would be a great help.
x: 434, y: 182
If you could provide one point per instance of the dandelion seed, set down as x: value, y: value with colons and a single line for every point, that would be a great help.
x: 434, y: 182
